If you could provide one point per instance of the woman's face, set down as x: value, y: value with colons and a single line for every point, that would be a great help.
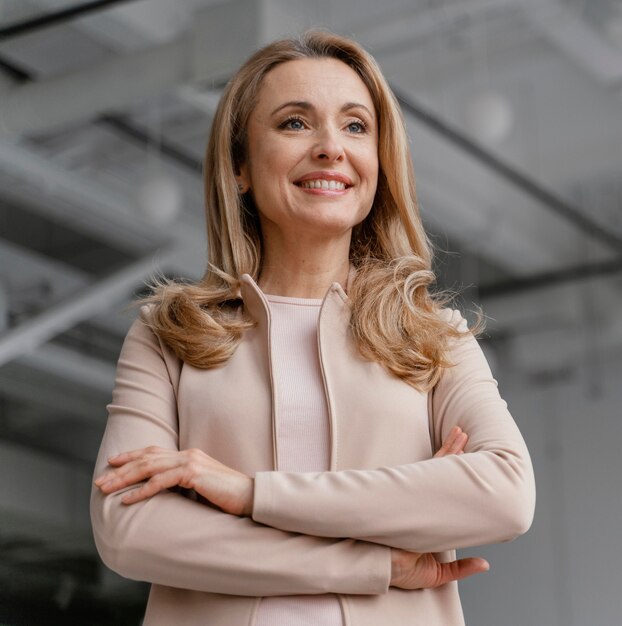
x: 312, y: 162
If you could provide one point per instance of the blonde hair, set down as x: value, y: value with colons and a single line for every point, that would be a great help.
x: 394, y: 316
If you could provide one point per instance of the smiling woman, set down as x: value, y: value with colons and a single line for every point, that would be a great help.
x: 306, y: 435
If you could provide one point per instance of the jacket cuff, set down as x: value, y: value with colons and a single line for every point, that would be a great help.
x: 262, y: 498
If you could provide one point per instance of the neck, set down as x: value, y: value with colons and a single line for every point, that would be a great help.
x: 303, y: 272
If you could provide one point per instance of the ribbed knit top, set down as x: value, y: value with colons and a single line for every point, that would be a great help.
x: 303, y: 436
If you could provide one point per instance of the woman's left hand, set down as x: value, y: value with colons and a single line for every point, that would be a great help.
x: 225, y: 487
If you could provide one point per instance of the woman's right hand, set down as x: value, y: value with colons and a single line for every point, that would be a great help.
x: 416, y: 570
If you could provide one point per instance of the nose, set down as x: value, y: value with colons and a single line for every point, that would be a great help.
x: 328, y: 147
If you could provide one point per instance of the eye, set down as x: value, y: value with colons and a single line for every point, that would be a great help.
x: 293, y: 123
x: 357, y: 127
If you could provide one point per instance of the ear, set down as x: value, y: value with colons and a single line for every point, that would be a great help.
x: 242, y: 178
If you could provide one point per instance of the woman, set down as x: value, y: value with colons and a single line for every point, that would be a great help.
x: 289, y: 432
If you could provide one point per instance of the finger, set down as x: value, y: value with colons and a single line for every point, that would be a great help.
x: 453, y: 433
x: 444, y: 449
x: 130, y: 455
x: 458, y: 443
x: 136, y: 471
x: 157, y: 483
x: 459, y: 569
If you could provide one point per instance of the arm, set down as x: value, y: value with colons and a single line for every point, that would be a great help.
x: 484, y: 496
x: 172, y: 540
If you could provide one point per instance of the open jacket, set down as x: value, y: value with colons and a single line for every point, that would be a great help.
x: 310, y: 532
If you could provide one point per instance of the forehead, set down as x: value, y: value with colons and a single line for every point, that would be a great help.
x: 319, y: 81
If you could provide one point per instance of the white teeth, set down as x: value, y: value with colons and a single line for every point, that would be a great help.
x: 333, y: 185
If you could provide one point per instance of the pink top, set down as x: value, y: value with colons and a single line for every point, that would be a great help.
x: 302, y: 436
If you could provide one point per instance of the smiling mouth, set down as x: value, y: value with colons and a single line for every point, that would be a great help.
x: 323, y: 184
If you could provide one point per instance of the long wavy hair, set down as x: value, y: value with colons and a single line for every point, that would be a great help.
x: 394, y: 315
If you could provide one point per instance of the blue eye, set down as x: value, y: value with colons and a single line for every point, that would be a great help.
x: 293, y: 123
x: 359, y: 127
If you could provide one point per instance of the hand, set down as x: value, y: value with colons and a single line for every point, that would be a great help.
x: 225, y: 487
x: 416, y: 570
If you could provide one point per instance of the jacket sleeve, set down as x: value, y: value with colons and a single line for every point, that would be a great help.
x: 485, y: 495
x: 176, y: 541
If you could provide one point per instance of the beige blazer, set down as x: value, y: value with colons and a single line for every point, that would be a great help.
x: 311, y: 532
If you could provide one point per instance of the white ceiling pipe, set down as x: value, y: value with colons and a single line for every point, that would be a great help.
x: 90, y: 301
x: 50, y: 104
x: 85, y: 204
x: 219, y: 40
x: 42, y: 186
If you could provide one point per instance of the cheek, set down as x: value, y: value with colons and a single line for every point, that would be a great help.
x: 369, y: 167
x: 271, y: 164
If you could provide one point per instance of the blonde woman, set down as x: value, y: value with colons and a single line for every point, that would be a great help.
x: 287, y: 440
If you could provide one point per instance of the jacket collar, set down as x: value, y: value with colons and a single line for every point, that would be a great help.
x: 257, y: 306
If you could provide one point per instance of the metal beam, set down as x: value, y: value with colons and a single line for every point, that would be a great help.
x: 548, y: 279
x: 54, y: 18
x: 92, y: 207
x: 206, y: 53
x: 548, y: 199
x: 121, y: 125
x: 165, y: 148
x: 88, y: 302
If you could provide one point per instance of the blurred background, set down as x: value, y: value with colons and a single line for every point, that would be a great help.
x: 514, y: 111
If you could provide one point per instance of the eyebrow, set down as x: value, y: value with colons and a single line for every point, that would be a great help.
x: 307, y: 106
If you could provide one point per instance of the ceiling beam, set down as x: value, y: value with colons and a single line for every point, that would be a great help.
x: 549, y: 279
x: 92, y: 300
x: 546, y: 198
x: 54, y: 18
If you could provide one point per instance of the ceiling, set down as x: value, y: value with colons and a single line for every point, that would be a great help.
x: 514, y: 111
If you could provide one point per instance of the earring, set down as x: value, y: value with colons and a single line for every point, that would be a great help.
x: 242, y: 188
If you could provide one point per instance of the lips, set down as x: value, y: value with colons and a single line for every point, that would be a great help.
x: 327, y: 175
